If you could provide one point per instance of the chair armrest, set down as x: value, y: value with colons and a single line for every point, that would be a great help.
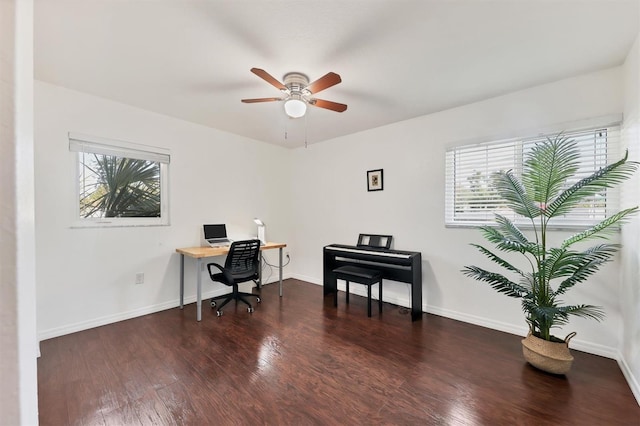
x: 227, y: 275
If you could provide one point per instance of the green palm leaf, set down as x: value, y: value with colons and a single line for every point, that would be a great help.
x: 543, y: 317
x: 584, y: 311
x: 582, y: 265
x: 499, y: 260
x: 600, y: 228
x: 497, y: 281
x: 548, y: 166
x: 511, y: 190
x: 510, y: 230
x: 507, y: 237
x: 556, y: 263
x: 493, y: 235
x: 606, y: 177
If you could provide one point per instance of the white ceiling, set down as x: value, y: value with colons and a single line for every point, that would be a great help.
x: 397, y: 59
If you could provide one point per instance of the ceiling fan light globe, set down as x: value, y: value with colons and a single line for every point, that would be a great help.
x: 295, y: 108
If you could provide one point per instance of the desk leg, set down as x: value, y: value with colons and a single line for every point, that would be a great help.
x: 280, y: 255
x: 259, y: 283
x: 181, y: 281
x: 199, y: 290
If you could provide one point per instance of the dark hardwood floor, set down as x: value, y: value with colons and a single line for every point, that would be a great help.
x: 298, y: 361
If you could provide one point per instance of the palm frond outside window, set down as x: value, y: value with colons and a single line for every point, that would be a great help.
x: 120, y: 183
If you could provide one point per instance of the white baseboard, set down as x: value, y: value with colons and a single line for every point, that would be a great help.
x: 476, y: 320
x: 628, y: 375
x: 122, y: 316
x: 577, y: 344
x: 594, y: 348
x: 311, y: 280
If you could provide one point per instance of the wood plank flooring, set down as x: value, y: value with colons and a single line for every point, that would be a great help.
x: 297, y: 360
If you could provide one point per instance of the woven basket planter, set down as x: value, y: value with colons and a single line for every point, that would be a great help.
x: 552, y: 357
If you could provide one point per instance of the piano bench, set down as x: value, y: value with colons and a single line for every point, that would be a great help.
x: 360, y: 275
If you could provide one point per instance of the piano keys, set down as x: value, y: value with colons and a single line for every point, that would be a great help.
x: 395, y: 265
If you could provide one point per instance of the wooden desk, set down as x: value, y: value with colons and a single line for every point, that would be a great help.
x: 200, y: 253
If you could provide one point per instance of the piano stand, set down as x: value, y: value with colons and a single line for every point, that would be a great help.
x: 394, y: 265
x: 360, y: 275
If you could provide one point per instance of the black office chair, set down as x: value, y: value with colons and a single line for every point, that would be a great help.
x: 242, y: 264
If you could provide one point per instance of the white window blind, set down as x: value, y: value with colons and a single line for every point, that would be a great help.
x: 94, y: 145
x: 471, y: 201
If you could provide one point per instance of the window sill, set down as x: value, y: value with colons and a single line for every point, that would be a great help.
x: 527, y: 227
x: 117, y: 223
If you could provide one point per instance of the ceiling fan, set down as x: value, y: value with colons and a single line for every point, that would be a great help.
x: 298, y: 92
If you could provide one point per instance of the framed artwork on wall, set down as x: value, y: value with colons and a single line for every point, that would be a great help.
x: 374, y: 180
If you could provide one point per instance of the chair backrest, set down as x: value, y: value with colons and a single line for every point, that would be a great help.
x: 242, y: 260
x: 374, y: 240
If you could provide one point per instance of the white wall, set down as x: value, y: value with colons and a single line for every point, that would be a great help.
x: 630, y: 271
x: 332, y: 205
x: 9, y: 359
x: 27, y: 332
x: 86, y: 276
x: 18, y: 348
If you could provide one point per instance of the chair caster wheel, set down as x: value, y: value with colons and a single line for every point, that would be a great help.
x: 258, y: 300
x: 213, y: 304
x: 219, y: 313
x: 250, y: 309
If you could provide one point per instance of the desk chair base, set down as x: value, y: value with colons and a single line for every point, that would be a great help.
x: 360, y: 275
x: 237, y: 296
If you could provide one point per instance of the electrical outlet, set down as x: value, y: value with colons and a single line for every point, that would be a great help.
x: 140, y: 278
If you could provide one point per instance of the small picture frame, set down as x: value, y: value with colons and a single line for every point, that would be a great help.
x: 374, y: 180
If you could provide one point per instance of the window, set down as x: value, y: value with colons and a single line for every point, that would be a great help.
x: 119, y: 183
x: 471, y: 201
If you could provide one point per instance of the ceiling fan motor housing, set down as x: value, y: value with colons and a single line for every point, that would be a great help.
x: 296, y: 82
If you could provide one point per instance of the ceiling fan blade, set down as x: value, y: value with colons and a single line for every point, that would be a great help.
x: 333, y: 106
x: 269, y: 79
x: 324, y: 82
x: 252, y: 101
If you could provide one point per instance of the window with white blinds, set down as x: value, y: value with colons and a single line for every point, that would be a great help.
x: 119, y: 183
x: 471, y: 201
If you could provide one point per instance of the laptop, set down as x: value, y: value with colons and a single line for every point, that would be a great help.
x: 216, y: 235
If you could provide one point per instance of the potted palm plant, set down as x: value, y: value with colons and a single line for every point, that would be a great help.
x: 542, y: 194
